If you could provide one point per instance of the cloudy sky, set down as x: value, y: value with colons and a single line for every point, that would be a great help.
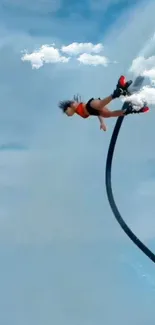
x: 64, y: 258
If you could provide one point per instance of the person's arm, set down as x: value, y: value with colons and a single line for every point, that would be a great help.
x: 102, y: 123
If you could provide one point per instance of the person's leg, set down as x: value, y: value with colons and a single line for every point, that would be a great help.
x: 127, y: 108
x: 100, y: 103
x: 105, y: 112
x: 121, y: 89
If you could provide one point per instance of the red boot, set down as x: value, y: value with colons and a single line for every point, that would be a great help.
x: 123, y: 84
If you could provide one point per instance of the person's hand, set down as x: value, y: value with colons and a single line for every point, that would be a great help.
x: 103, y: 127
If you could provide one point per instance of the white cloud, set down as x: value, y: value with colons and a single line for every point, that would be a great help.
x: 145, y: 67
x: 95, y: 60
x: 150, y: 73
x: 35, y: 58
x: 142, y: 65
x: 50, y: 54
x: 145, y: 95
x: 78, y: 48
x: 46, y: 54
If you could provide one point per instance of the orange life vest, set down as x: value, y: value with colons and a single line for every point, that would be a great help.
x: 80, y: 111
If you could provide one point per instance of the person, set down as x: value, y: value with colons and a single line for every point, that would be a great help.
x: 98, y: 107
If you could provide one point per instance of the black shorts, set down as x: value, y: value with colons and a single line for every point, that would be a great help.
x: 91, y: 110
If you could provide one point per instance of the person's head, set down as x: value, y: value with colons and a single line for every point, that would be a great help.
x: 68, y: 107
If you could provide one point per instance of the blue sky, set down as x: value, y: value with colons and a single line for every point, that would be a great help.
x: 64, y: 259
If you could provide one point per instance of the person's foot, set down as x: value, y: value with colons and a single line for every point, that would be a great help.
x: 129, y: 108
x: 123, y: 84
x: 122, y: 88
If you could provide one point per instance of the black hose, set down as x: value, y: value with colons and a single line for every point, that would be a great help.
x: 112, y: 203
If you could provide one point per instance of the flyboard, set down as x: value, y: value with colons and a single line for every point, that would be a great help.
x: 137, y: 84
